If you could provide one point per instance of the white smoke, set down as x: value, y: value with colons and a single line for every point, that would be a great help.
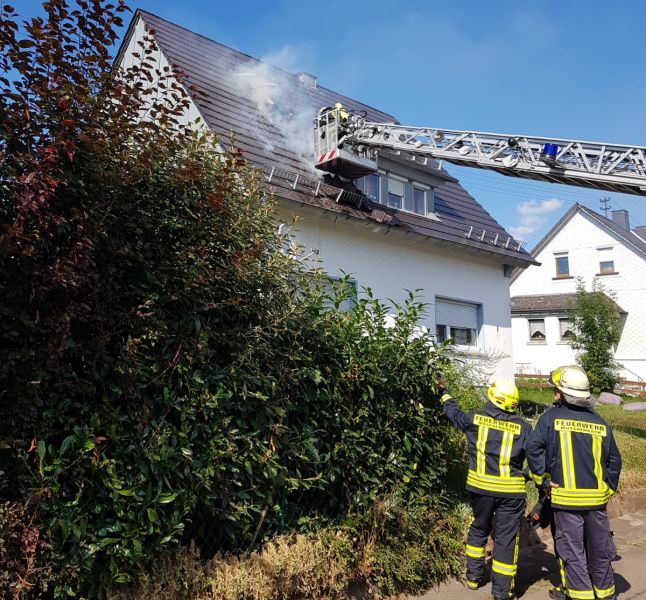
x: 281, y: 100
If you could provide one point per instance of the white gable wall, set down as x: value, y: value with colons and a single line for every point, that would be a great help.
x: 581, y: 238
x: 391, y: 262
x: 192, y: 114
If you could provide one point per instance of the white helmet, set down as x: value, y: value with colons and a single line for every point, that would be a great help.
x: 573, y: 382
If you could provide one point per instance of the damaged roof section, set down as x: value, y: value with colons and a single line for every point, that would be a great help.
x: 270, y: 114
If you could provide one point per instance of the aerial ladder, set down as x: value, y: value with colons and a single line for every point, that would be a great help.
x: 347, y: 145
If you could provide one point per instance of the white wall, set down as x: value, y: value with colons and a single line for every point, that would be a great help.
x: 581, y: 237
x: 192, y: 114
x: 391, y: 262
x: 541, y: 357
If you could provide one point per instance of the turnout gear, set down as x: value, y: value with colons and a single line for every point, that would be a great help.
x: 585, y: 546
x: 501, y: 516
x: 574, y: 447
x: 496, y: 439
x: 572, y: 452
x: 503, y: 393
x: 343, y: 114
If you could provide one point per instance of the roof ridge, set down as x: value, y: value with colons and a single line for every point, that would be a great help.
x: 260, y: 61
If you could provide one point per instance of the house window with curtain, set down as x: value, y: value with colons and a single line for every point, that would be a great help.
x: 457, y: 321
x: 537, y: 331
x: 565, y: 329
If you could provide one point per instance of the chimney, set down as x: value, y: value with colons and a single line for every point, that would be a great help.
x: 620, y: 217
x: 307, y: 80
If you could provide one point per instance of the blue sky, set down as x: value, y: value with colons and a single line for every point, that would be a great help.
x: 560, y: 69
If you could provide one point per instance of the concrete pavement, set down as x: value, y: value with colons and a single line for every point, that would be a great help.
x: 537, y: 568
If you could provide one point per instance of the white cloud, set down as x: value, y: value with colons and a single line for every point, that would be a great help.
x: 532, y: 215
x: 543, y: 207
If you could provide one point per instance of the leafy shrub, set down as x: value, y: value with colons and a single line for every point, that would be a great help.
x: 169, y: 370
x: 596, y: 324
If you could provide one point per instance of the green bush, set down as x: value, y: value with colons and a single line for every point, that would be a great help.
x: 596, y: 324
x: 169, y: 370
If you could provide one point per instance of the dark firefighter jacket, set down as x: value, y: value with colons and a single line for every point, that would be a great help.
x: 497, y: 442
x: 575, y: 447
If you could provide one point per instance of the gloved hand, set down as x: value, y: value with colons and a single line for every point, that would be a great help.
x: 541, y: 514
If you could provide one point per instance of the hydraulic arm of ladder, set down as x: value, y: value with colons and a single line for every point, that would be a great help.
x: 612, y: 167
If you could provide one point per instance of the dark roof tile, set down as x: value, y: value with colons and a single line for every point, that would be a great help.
x: 225, y: 104
x: 547, y: 304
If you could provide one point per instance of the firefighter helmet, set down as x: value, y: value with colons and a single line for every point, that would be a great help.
x: 504, y: 394
x: 571, y: 380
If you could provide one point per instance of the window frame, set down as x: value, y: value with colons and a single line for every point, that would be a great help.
x: 364, y: 187
x: 426, y: 190
x: 533, y: 340
x: 446, y: 331
x: 395, y: 185
x: 448, y: 335
x: 557, y: 257
x: 562, y: 337
x: 398, y: 192
x: 606, y: 253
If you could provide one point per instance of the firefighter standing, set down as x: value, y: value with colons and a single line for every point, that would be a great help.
x: 573, y: 455
x: 496, y: 437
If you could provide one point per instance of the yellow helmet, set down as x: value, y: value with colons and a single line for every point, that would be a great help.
x: 572, y: 381
x: 338, y: 105
x: 504, y: 394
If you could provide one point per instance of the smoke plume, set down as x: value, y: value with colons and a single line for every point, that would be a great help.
x: 281, y: 99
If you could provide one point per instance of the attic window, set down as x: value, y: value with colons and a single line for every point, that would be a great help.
x: 562, y: 266
x: 606, y: 261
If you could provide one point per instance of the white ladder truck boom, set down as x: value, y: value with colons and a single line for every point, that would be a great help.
x: 347, y: 144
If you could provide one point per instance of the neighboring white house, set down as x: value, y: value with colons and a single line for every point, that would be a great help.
x: 582, y: 244
x: 410, y: 226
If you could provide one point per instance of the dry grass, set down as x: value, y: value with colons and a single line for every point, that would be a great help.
x: 288, y: 567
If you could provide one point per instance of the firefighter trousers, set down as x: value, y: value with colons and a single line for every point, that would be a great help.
x: 585, y: 546
x: 499, y: 517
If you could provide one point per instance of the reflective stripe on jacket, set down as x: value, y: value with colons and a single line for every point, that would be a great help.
x: 497, y: 441
x: 575, y: 447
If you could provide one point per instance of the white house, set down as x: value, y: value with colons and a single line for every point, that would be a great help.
x: 583, y: 244
x: 409, y: 226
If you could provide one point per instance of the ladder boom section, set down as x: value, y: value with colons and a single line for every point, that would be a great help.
x: 349, y: 144
x: 611, y: 167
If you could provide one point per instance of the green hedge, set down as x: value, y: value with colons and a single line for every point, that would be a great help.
x: 169, y: 370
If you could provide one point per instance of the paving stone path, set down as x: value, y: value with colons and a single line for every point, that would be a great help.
x: 537, y: 569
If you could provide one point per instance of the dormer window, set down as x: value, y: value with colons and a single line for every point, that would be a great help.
x: 395, y: 192
x: 398, y: 192
x: 371, y: 186
x: 419, y: 200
